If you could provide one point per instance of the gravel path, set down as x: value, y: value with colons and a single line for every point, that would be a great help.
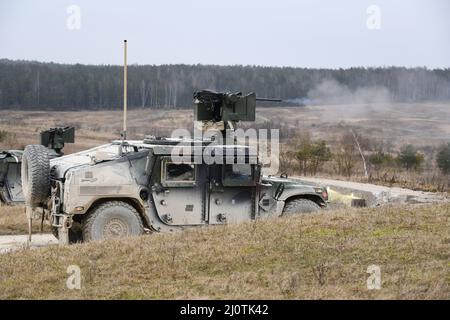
x: 18, y: 242
x: 376, y: 195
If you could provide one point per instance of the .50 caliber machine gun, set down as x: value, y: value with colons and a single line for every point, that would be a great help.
x: 218, y: 106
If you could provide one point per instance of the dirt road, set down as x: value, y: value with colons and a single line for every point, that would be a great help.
x: 18, y: 242
x: 376, y: 195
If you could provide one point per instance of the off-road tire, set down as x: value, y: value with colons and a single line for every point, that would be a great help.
x: 112, y: 219
x: 300, y: 206
x: 35, y: 175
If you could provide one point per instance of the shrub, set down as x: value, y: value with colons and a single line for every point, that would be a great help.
x: 3, y: 135
x: 379, y: 160
x: 409, y: 158
x: 312, y: 155
x: 443, y: 158
x: 346, y: 155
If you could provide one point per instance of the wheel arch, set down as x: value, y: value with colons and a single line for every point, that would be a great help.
x: 315, y: 198
x: 135, y: 203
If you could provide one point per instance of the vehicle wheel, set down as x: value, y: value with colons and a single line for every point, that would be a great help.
x: 35, y: 175
x: 114, y: 219
x: 300, y: 206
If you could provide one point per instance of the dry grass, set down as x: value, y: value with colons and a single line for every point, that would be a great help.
x: 425, y: 125
x: 321, y: 256
x: 315, y: 257
x: 92, y: 127
x: 421, y: 124
x: 13, y: 221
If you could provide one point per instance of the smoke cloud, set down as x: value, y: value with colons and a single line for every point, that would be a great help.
x: 331, y: 92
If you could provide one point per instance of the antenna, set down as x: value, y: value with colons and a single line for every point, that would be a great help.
x: 124, y: 133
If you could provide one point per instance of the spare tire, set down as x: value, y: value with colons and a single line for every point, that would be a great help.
x: 35, y: 175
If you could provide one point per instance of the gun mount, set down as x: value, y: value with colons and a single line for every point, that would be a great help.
x: 55, y: 138
x: 218, y: 106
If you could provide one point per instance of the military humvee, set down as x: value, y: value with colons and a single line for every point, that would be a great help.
x: 10, y: 163
x: 128, y: 187
x: 10, y: 182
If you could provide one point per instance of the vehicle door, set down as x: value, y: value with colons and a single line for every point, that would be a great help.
x: 12, y: 183
x: 232, y: 193
x: 180, y: 199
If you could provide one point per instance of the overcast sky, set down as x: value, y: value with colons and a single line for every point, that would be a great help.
x: 303, y: 33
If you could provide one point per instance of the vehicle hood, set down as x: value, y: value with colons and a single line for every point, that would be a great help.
x: 61, y: 165
x: 287, y: 181
x: 283, y: 188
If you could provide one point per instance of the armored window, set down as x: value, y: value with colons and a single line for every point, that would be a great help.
x: 178, y: 173
x: 238, y: 175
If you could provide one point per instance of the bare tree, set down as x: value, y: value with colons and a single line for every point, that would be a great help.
x: 360, y: 152
x: 358, y: 146
x: 144, y: 92
x: 37, y: 88
x: 345, y: 155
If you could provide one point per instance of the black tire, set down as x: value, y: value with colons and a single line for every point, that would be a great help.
x: 113, y: 219
x: 300, y: 206
x: 35, y: 175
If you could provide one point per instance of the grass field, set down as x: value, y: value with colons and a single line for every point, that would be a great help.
x: 426, y: 125
x: 13, y: 221
x: 422, y: 124
x: 322, y: 256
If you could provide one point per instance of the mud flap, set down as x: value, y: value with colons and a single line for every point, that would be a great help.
x: 63, y: 229
x: 29, y: 214
x: 32, y: 214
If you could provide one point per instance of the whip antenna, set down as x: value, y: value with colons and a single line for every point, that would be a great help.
x: 124, y: 133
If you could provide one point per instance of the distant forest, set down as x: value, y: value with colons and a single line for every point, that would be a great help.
x: 35, y: 85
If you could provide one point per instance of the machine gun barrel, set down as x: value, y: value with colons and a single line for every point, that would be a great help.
x: 269, y: 99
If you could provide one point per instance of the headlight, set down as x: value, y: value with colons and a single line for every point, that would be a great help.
x: 323, y: 192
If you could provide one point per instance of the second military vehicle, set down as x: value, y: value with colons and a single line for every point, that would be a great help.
x: 11, y: 162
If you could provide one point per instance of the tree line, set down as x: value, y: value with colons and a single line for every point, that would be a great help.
x: 36, y: 85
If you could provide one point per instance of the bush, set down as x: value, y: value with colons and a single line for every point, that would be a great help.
x: 443, y: 158
x: 3, y: 135
x: 380, y: 160
x: 409, y: 158
x: 312, y: 155
x: 7, y: 140
x: 345, y: 156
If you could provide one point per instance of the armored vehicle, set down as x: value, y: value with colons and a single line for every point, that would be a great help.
x: 10, y: 163
x: 128, y: 187
x: 10, y: 182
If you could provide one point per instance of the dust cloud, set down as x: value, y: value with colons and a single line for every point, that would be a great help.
x: 331, y: 92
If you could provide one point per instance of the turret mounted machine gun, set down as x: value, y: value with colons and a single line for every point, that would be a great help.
x: 218, y: 106
x: 222, y: 110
